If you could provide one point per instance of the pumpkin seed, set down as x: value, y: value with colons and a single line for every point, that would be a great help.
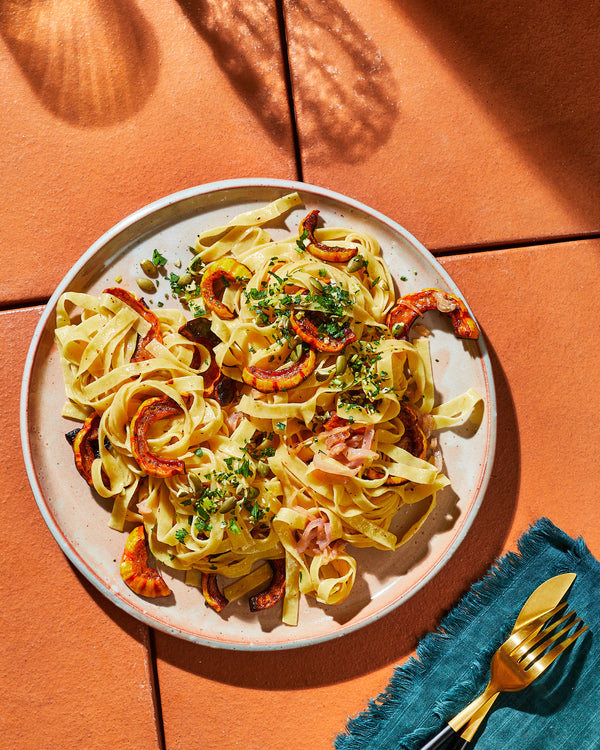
x: 262, y: 469
x: 397, y: 329
x: 296, y: 354
x: 322, y: 375
x: 185, y: 279
x: 316, y: 284
x: 253, y: 493
x: 196, y: 483
x: 228, y: 504
x: 149, y: 268
x: 146, y: 285
x: 356, y: 263
x: 341, y: 364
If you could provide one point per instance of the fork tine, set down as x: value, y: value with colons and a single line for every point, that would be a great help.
x: 549, y: 657
x: 557, y: 650
x: 519, y: 638
x: 546, y: 638
x: 541, y: 633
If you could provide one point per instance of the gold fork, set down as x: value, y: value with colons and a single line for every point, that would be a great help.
x: 521, y: 659
x: 520, y: 662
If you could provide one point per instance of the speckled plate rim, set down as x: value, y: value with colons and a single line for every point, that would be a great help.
x: 80, y: 563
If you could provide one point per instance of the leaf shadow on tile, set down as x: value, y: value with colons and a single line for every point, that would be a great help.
x: 534, y: 68
x: 245, y: 41
x: 91, y: 63
x: 341, y: 117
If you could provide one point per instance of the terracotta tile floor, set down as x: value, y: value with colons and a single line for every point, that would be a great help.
x: 156, y: 100
x: 473, y: 127
x: 468, y: 125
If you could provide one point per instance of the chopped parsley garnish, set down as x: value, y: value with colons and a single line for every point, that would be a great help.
x: 368, y: 383
x: 158, y: 259
x: 205, y: 503
x: 300, y: 246
x: 256, y: 512
x: 181, y: 534
x: 239, y: 466
x: 275, y: 276
x: 334, y: 300
x: 197, y: 310
x: 266, y: 452
x: 274, y: 303
x: 335, y: 329
x: 203, y: 525
x: 174, y: 282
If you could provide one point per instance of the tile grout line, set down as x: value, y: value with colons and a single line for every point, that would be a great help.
x: 441, y: 253
x: 158, y: 715
x: 514, y: 245
x: 287, y: 69
x: 24, y: 304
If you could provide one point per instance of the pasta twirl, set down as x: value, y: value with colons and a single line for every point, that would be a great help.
x: 284, y: 421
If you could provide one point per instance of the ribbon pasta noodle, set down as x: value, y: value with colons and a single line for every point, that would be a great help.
x: 293, y: 429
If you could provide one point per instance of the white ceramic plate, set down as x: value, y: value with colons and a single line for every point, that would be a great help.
x: 79, y: 521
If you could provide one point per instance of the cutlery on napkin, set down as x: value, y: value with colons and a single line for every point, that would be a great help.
x: 452, y: 663
x: 545, y: 597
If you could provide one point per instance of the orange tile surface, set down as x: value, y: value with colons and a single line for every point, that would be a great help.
x: 76, y: 672
x: 545, y: 370
x: 109, y: 105
x: 468, y: 123
x: 538, y: 309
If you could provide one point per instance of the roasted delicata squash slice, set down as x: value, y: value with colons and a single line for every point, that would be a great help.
x: 274, y: 591
x: 228, y: 270
x: 273, y: 381
x: 134, y: 568
x: 150, y: 411
x: 308, y: 332
x: 213, y: 596
x: 85, y: 446
x: 411, y: 306
x: 154, y: 333
x: 318, y: 249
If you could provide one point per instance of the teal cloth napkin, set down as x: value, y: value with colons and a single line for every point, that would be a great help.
x: 451, y: 667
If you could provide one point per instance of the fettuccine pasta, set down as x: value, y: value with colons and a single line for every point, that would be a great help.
x: 269, y: 423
